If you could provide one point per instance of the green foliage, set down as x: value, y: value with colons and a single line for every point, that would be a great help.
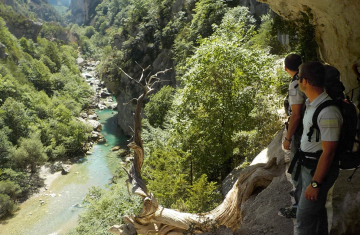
x: 106, y: 208
x: 267, y: 36
x: 89, y: 31
x: 168, y: 174
x: 6, y: 205
x: 41, y: 94
x: 207, y: 13
x: 159, y: 105
x: 202, y: 196
x: 301, y: 35
x: 30, y: 153
x: 220, y: 94
x: 10, y: 188
x: 5, y: 147
x: 9, y: 40
x: 52, y: 30
x: 16, y: 118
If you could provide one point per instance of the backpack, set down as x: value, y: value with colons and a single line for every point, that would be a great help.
x: 348, y: 151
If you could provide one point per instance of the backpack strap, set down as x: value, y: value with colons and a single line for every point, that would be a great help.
x: 315, y: 117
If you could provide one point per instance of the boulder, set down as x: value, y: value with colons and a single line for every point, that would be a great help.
x: 80, y: 61
x: 83, y: 115
x: 101, y: 140
x: 113, y: 106
x: 123, y: 153
x: 93, y: 116
x: 129, y: 159
x: 94, y: 124
x: 116, y: 148
x: 95, y: 135
x: 65, y: 169
x: 105, y: 94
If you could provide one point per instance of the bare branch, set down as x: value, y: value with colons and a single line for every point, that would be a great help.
x: 139, y: 65
x: 130, y: 101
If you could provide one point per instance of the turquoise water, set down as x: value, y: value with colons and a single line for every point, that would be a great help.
x: 63, y: 200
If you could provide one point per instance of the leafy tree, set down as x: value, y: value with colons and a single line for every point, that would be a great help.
x: 105, y: 208
x: 6, y: 205
x: 10, y: 188
x: 219, y: 97
x: 202, y: 196
x: 16, y: 118
x: 159, y: 106
x: 30, y: 153
x: 5, y: 146
x: 207, y: 13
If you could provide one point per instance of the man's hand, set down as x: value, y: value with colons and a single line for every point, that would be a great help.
x: 311, y: 194
x: 286, y: 144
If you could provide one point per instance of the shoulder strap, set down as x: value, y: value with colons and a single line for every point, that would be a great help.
x: 315, y: 117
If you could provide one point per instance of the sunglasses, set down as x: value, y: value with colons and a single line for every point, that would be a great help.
x: 301, y: 79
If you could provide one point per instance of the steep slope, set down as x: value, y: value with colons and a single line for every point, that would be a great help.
x: 41, y: 8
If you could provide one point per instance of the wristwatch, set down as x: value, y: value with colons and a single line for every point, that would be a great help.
x: 315, y: 184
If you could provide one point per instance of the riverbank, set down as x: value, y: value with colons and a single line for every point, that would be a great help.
x: 54, y: 209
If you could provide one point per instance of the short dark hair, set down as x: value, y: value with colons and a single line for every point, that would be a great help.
x: 292, y: 62
x: 313, y: 72
x: 331, y: 73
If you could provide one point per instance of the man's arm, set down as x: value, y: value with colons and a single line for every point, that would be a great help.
x: 294, y: 121
x: 323, y: 166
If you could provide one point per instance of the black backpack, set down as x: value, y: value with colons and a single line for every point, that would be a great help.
x: 348, y: 151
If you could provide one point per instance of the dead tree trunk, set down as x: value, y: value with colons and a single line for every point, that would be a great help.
x: 155, y: 219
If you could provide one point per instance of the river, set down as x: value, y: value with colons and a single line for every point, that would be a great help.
x: 63, y: 200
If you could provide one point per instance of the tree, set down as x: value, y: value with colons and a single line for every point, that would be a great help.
x: 159, y: 105
x: 31, y: 153
x: 153, y: 218
x: 16, y: 118
x: 221, y: 95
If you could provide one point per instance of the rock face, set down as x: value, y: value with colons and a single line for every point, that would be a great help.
x: 336, y: 27
x: 27, y: 28
x: 82, y: 10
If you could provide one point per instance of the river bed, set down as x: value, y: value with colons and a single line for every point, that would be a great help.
x: 62, y: 201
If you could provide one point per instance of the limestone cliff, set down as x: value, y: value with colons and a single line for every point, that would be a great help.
x: 82, y: 11
x: 26, y: 28
x: 336, y: 27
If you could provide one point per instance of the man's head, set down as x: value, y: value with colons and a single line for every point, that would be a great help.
x: 331, y: 73
x: 313, y: 73
x: 292, y: 62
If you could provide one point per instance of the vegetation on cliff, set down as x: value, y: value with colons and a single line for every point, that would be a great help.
x: 41, y: 94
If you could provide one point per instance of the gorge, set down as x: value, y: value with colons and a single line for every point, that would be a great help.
x: 224, y: 110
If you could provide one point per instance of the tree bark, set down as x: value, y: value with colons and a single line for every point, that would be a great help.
x: 155, y: 219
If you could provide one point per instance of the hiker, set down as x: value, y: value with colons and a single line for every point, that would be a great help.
x: 317, y: 151
x: 291, y: 142
x: 333, y: 86
x: 355, y: 67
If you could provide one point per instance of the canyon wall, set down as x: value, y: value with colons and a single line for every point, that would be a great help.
x: 336, y: 26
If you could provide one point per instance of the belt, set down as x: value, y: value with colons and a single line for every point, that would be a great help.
x: 304, y: 159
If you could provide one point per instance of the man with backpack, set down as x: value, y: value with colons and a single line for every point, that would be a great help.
x: 296, y: 101
x: 318, y: 146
